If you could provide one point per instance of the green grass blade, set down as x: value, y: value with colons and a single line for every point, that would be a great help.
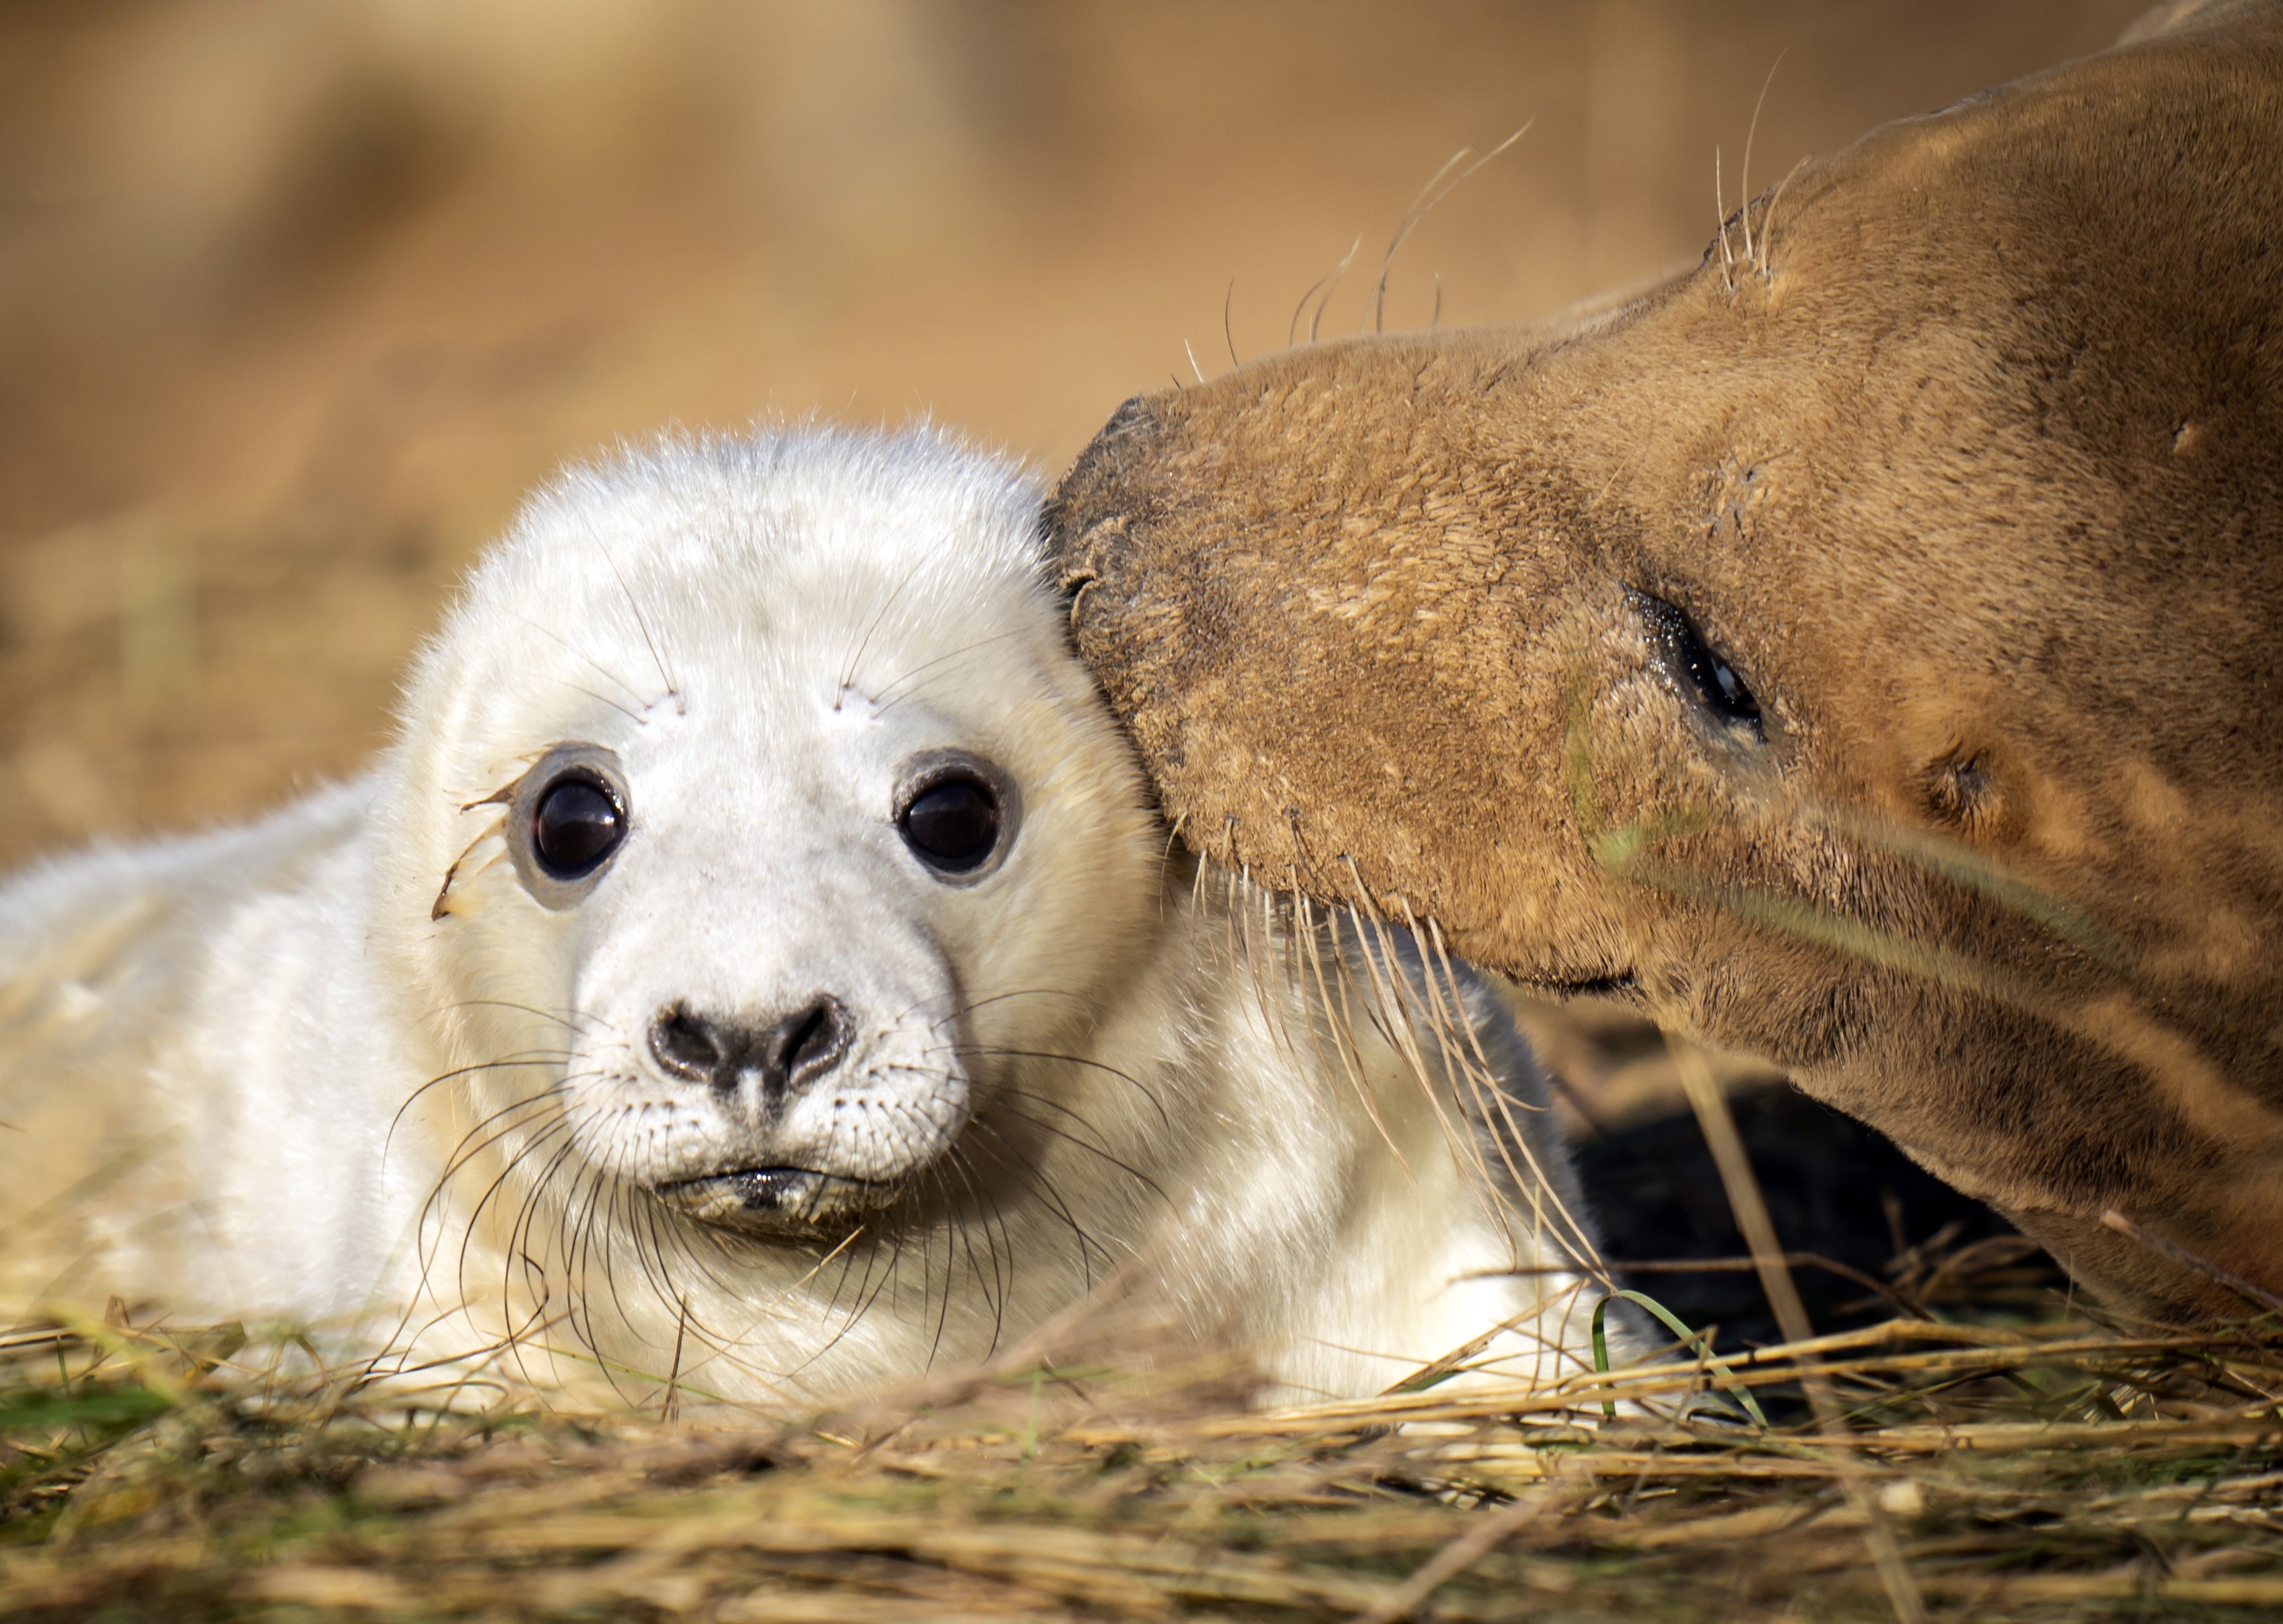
x: 1694, y: 1341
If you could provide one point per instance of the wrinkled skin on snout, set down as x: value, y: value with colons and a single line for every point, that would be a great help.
x: 1866, y: 651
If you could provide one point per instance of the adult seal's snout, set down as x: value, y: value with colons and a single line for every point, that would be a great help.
x: 1093, y: 513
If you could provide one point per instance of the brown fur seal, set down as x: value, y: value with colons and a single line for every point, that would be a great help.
x: 1865, y: 650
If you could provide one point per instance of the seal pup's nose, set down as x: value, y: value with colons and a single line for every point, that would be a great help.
x: 787, y: 1054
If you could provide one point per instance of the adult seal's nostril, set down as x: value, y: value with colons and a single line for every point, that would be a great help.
x: 1131, y: 418
x: 1085, y: 520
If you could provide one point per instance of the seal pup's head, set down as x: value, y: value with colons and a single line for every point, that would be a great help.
x: 749, y: 803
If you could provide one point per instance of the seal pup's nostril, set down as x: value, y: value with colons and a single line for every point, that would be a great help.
x: 687, y: 1046
x: 803, y: 1046
x: 781, y: 1056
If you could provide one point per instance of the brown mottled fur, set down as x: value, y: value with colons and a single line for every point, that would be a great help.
x: 1971, y: 464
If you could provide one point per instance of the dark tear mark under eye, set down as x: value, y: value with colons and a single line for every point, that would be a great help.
x: 1695, y: 669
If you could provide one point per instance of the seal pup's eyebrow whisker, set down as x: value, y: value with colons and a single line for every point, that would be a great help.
x: 632, y: 693
x: 882, y: 705
x: 864, y: 643
x: 642, y: 624
x: 636, y: 716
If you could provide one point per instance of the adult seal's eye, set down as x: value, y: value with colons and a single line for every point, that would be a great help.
x: 1696, y: 669
x: 568, y: 817
x: 575, y: 827
x: 954, y: 823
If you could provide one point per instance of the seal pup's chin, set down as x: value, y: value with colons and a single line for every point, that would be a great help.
x: 778, y: 1202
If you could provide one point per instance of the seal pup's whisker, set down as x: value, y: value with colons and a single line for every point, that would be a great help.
x: 1000, y: 1051
x: 997, y: 1090
x: 533, y: 1141
x: 465, y: 1153
x: 1119, y: 1162
x: 1012, y: 1165
x: 529, y: 1058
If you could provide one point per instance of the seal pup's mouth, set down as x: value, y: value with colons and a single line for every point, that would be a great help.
x: 776, y: 1201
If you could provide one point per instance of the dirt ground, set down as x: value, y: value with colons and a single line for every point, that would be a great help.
x: 296, y: 296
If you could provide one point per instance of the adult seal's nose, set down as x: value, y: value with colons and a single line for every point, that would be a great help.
x: 781, y: 1057
x: 1086, y: 516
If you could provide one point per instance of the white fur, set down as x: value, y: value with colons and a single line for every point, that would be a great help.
x: 288, y: 1070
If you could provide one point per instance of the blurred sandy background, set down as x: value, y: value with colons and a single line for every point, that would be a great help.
x: 296, y: 296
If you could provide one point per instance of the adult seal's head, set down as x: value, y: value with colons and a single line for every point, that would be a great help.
x: 1862, y: 650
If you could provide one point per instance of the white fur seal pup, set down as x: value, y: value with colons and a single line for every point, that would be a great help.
x: 755, y: 965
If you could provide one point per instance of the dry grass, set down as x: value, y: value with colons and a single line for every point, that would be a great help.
x: 2057, y: 1470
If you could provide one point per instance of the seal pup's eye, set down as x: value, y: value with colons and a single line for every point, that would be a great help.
x: 952, y: 823
x: 1694, y: 665
x: 956, y: 813
x: 575, y: 827
x: 569, y: 815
